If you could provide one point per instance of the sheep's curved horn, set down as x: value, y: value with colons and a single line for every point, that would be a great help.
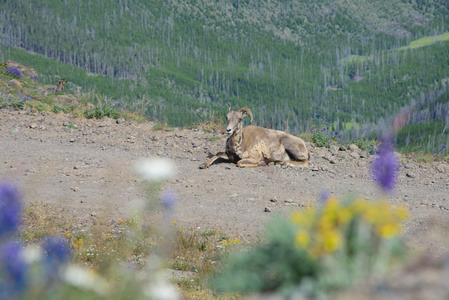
x: 248, y: 111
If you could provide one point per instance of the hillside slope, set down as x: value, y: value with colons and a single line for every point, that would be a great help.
x: 334, y: 63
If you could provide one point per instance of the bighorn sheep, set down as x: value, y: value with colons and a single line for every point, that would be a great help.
x: 253, y: 146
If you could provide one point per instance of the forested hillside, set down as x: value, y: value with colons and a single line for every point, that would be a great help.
x: 350, y: 64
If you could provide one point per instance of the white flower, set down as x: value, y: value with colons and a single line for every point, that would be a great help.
x: 160, y: 289
x: 32, y: 254
x: 156, y: 169
x: 86, y: 279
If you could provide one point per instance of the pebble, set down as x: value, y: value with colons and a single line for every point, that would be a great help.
x: 410, y: 175
x: 267, y: 209
x: 354, y: 148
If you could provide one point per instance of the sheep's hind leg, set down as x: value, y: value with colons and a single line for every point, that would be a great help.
x: 247, y: 163
x: 214, y: 158
x: 296, y: 150
x: 295, y: 163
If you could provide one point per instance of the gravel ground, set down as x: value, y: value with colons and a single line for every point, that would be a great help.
x: 86, y: 168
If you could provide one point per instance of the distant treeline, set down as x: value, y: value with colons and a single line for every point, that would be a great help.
x: 181, y: 62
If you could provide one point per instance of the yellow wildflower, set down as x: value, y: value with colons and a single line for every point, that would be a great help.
x: 388, y: 230
x: 332, y: 241
x: 302, y: 239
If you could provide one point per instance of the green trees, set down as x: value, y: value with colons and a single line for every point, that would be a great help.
x: 325, y: 63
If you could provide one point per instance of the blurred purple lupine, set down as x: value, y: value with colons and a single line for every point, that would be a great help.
x: 57, y: 250
x: 325, y: 195
x: 168, y: 199
x: 385, y: 166
x: 13, y: 269
x: 14, y: 72
x: 10, y: 206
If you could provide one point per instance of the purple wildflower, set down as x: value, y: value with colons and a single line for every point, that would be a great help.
x: 168, y: 199
x: 10, y: 207
x: 325, y: 196
x: 14, y: 72
x: 13, y: 269
x: 57, y: 250
x: 385, y: 167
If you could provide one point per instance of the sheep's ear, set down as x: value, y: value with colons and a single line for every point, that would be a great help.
x: 230, y: 109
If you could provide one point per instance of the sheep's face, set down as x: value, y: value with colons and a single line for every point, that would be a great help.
x: 234, y: 119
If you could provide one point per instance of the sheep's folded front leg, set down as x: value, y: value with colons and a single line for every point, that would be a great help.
x: 208, y: 163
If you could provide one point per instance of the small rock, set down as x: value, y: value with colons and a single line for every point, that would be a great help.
x: 155, y: 138
x: 354, y: 148
x: 364, y: 154
x: 274, y: 199
x: 354, y: 154
x: 93, y: 214
x: 65, y: 123
x: 341, y: 156
x: 33, y: 125
x: 267, y: 209
x: 333, y: 149
x: 288, y: 201
x: 315, y: 169
x: 102, y: 125
x: 441, y: 168
x: 410, y: 175
x: 72, y: 140
x: 75, y: 189
x: 15, y: 82
x: 120, y: 120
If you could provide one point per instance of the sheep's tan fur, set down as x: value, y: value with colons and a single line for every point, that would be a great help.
x: 254, y: 146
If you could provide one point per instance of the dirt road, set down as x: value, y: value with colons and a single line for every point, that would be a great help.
x: 87, y: 168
